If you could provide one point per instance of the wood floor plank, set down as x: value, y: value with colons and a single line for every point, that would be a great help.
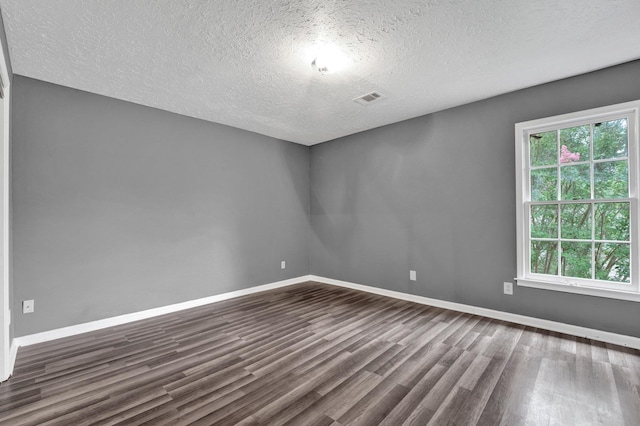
x: 315, y: 354
x: 510, y: 398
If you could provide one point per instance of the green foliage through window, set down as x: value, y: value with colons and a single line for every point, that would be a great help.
x: 579, y: 216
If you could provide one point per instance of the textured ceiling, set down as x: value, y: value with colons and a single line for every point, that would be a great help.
x: 247, y: 63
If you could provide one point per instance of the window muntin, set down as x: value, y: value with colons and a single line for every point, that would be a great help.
x: 577, y: 214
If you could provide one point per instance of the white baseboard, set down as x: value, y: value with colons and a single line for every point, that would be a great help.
x: 13, y: 353
x: 574, y: 330
x: 604, y: 336
x: 58, y: 333
x: 11, y: 361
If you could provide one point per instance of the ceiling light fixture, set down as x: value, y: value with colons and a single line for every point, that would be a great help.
x: 327, y: 58
x: 320, y: 66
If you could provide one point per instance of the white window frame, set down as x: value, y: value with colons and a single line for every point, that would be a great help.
x: 6, y: 358
x: 631, y: 291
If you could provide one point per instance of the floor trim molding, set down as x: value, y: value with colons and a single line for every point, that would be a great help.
x: 574, y: 330
x: 11, y: 361
x: 72, y: 330
x: 13, y: 354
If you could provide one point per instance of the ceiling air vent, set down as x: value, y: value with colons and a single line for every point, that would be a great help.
x: 369, y: 98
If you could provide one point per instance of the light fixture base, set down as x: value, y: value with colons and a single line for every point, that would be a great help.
x: 322, y: 69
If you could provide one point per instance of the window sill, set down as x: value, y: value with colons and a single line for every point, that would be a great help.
x: 610, y: 294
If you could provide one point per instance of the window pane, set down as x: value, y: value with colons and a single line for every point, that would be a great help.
x: 575, y: 144
x: 611, y: 179
x: 543, y: 149
x: 544, y: 221
x: 544, y: 257
x: 576, y: 260
x: 544, y: 184
x: 576, y: 182
x: 576, y: 221
x: 612, y: 221
x: 610, y: 139
x: 612, y: 262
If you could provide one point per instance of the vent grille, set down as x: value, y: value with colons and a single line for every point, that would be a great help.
x: 368, y: 98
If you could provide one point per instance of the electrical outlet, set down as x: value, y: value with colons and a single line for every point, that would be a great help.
x: 283, y: 264
x: 27, y: 306
x: 508, y: 288
x: 412, y: 275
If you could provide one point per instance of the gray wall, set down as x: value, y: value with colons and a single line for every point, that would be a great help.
x: 119, y: 207
x: 437, y: 194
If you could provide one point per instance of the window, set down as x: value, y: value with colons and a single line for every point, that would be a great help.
x: 577, y: 191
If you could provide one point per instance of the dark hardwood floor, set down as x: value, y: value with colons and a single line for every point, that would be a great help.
x: 314, y: 354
